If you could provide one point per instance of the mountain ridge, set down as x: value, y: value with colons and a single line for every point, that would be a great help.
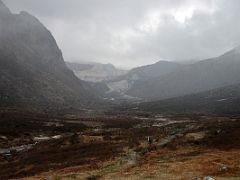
x: 32, y: 69
x: 201, y: 76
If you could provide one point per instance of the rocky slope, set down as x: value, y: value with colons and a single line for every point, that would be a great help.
x: 224, y: 100
x: 32, y: 70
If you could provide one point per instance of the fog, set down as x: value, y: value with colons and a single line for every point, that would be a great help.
x: 131, y: 33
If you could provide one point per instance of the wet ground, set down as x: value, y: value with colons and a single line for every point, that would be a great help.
x: 186, y: 146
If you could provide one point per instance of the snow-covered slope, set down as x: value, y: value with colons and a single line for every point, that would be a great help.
x: 95, y: 72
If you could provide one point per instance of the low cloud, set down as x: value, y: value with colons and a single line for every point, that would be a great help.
x: 130, y: 33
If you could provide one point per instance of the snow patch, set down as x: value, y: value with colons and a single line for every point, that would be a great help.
x: 220, y: 100
x: 119, y: 86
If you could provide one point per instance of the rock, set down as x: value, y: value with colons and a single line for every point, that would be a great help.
x: 208, y: 178
x: 223, y: 169
x: 41, y: 138
x: 4, y: 151
x: 3, y: 137
x: 57, y: 137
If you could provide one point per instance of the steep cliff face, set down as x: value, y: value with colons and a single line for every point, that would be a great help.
x: 32, y: 70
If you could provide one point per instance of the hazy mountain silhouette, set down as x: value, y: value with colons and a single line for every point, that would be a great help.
x: 201, y: 76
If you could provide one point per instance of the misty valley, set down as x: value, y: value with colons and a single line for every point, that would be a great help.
x: 68, y: 119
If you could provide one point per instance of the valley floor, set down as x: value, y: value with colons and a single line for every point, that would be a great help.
x: 185, y: 146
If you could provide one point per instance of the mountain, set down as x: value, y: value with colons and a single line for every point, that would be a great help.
x: 139, y: 75
x: 33, y: 73
x: 225, y: 100
x: 201, y: 76
x: 95, y: 72
x: 154, y: 70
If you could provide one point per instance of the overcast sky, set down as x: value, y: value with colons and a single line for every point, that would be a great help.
x: 130, y: 33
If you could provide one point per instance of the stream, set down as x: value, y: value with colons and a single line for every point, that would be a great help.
x: 16, y: 149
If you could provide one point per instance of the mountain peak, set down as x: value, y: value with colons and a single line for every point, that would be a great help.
x: 4, y: 9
